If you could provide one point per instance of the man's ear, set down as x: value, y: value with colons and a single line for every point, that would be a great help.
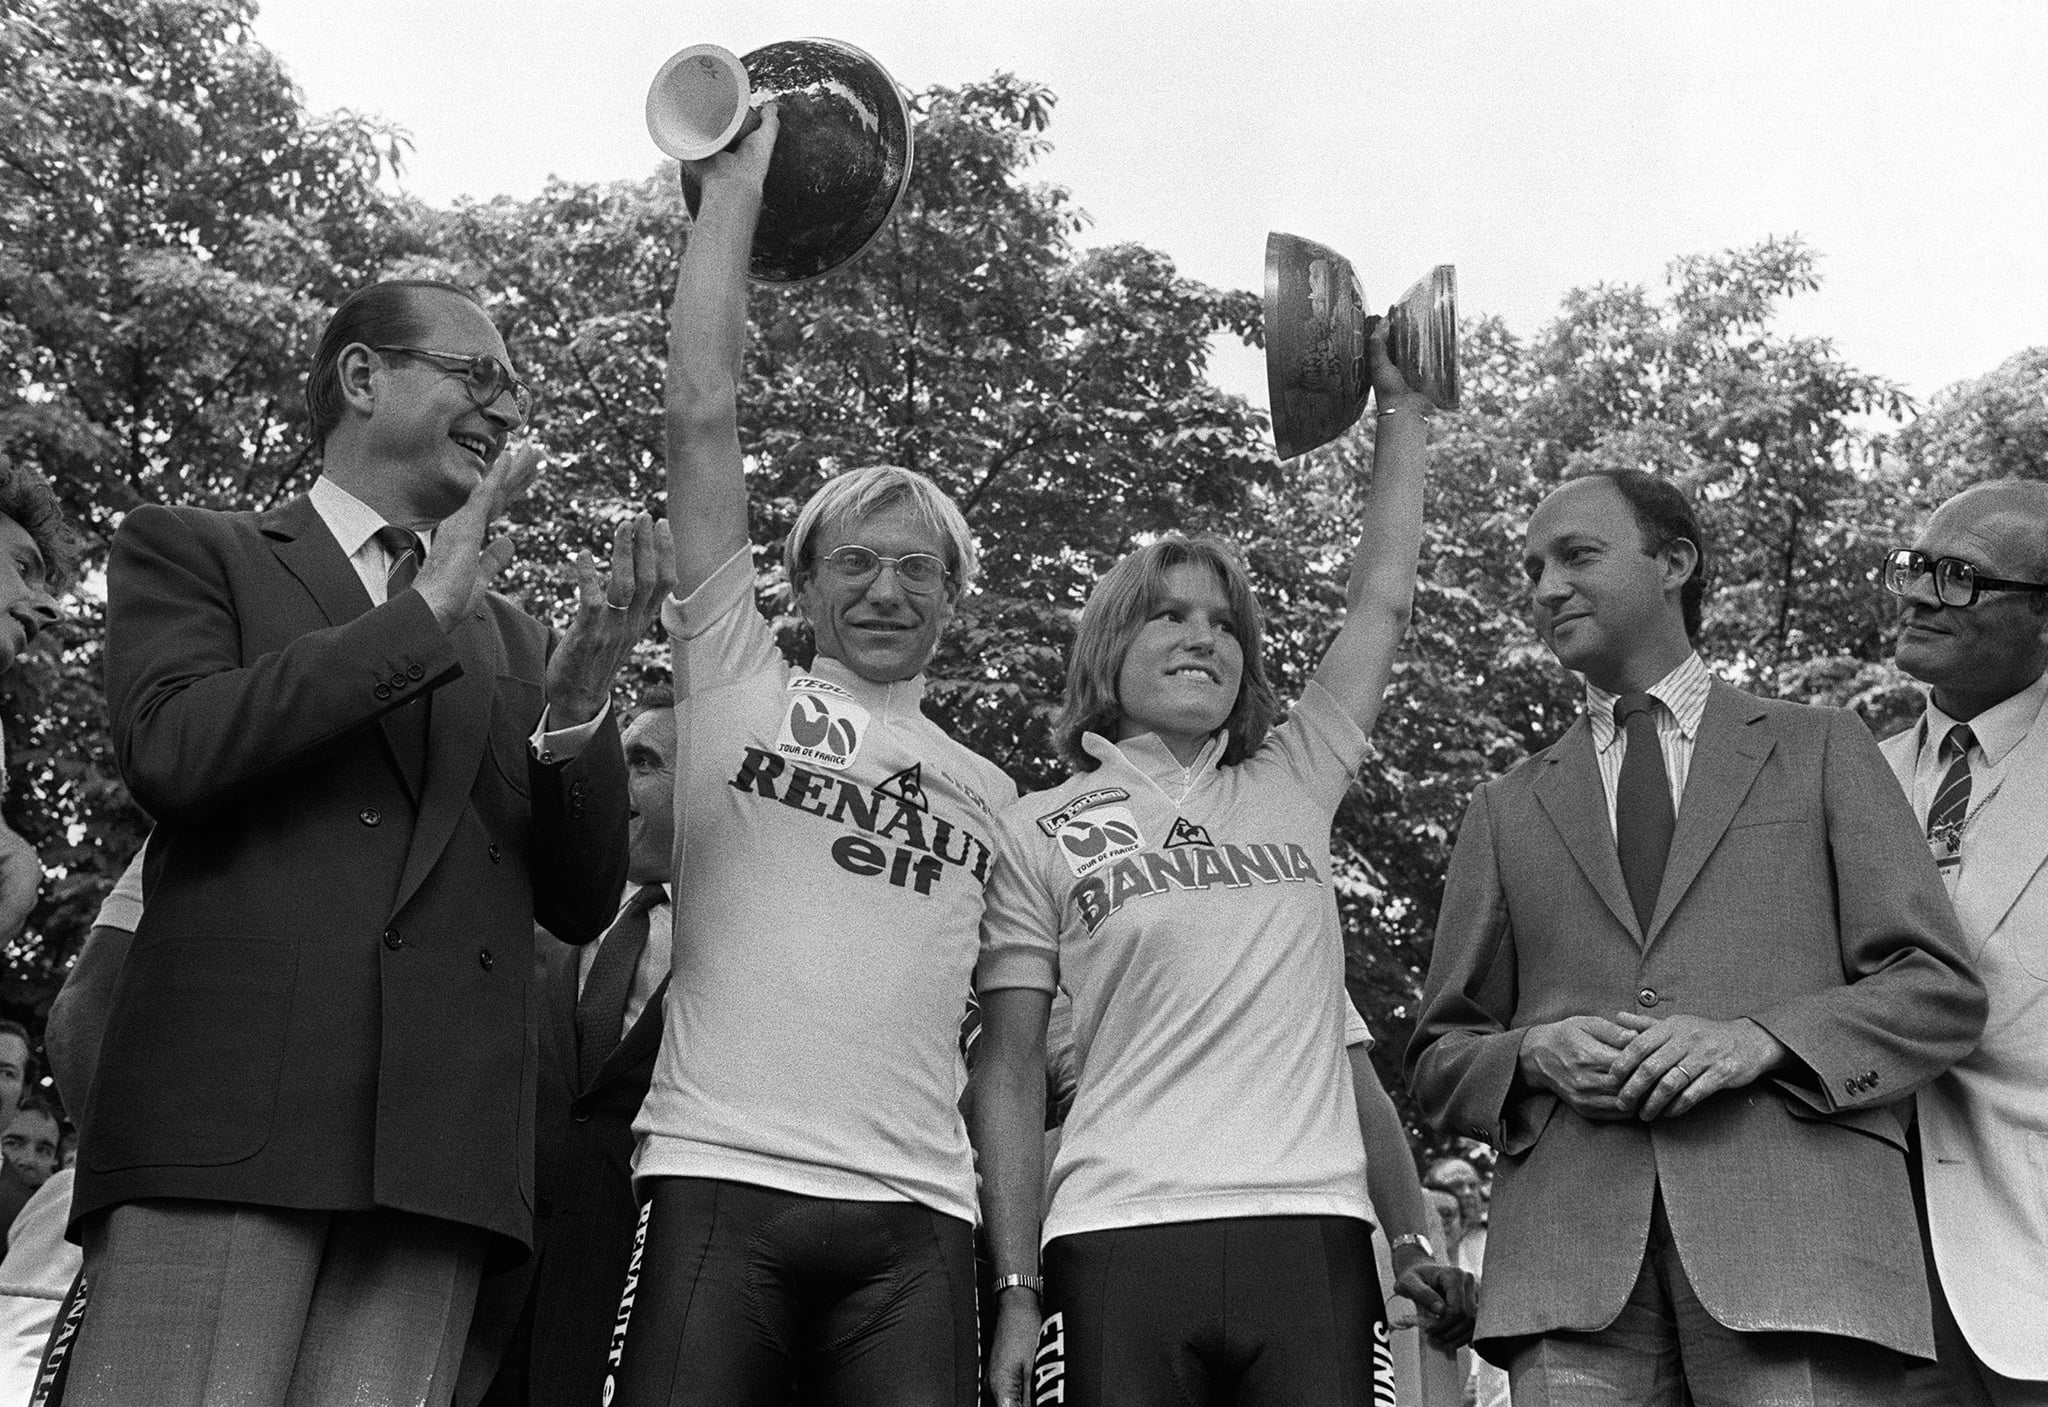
x: 355, y: 370
x: 1678, y: 557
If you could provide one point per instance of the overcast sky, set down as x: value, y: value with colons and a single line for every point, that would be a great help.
x: 1538, y: 147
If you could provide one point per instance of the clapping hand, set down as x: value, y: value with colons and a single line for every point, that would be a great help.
x: 461, y: 565
x: 614, y: 607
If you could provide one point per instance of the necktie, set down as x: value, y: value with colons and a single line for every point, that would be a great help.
x: 1643, y: 817
x: 1951, y: 800
x: 405, y: 726
x: 601, y: 1007
x: 402, y: 545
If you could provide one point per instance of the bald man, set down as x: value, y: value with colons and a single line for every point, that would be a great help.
x: 1973, y: 597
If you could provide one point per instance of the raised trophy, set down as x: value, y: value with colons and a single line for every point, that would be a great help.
x: 1317, y: 370
x: 842, y: 159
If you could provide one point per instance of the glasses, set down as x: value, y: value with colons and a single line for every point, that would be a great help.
x: 484, y: 378
x: 920, y: 572
x: 1956, y: 582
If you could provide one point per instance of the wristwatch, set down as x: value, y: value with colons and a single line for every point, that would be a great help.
x: 1033, y: 1283
x: 1416, y: 1239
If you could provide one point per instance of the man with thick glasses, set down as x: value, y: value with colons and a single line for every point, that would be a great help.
x: 1973, y: 627
x: 312, y: 1118
x: 807, y: 1190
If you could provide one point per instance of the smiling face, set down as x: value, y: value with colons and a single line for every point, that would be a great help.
x: 26, y: 606
x: 650, y: 746
x: 1604, y: 603
x: 1978, y: 656
x: 1181, y: 672
x: 877, y: 629
x: 430, y: 444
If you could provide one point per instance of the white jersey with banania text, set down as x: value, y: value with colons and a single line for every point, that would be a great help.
x: 833, y: 845
x: 1189, y: 914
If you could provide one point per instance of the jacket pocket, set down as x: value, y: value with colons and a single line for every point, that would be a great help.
x: 193, y: 1056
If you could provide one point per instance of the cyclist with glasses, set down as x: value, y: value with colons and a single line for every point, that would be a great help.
x: 807, y: 1188
x: 370, y: 774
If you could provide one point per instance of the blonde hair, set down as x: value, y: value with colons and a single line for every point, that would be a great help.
x: 860, y: 493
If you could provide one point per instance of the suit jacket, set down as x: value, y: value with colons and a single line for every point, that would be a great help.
x: 1984, y: 1122
x: 1799, y: 893
x: 325, y: 1006
x: 542, y: 1329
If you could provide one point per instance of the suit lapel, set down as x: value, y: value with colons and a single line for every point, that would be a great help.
x: 302, y: 542
x: 638, y: 1043
x: 456, y: 739
x: 2006, y: 841
x: 1726, y: 756
x: 309, y: 552
x: 1571, y: 795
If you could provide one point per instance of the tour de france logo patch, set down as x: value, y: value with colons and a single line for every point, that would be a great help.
x: 822, y: 724
x: 1091, y: 840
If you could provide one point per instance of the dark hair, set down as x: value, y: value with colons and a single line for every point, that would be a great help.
x: 32, y: 1103
x: 1665, y: 515
x: 652, y: 697
x: 380, y: 315
x: 1119, y: 606
x: 9, y: 1027
x: 26, y: 497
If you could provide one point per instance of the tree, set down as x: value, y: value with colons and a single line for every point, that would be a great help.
x: 173, y: 228
x: 1994, y: 427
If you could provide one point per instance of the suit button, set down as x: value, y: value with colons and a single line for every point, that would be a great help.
x: 581, y: 1116
x: 483, y: 959
x: 1648, y: 997
x: 370, y: 816
x: 397, y: 681
x: 495, y: 853
x: 392, y: 940
x: 413, y: 671
x: 382, y: 691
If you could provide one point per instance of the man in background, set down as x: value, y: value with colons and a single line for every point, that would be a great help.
x: 543, y: 1328
x: 37, y: 558
x: 1973, y: 617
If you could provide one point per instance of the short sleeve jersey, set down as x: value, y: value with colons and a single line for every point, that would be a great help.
x: 833, y: 845
x: 1189, y: 914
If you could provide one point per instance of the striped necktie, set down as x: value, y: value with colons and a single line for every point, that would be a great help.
x: 402, y: 546
x: 1951, y: 800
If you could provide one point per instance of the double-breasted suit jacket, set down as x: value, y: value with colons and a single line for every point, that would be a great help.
x: 1984, y: 1122
x: 1797, y: 892
x: 325, y: 1006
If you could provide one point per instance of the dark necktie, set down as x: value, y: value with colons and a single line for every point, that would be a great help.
x: 402, y: 546
x: 405, y: 726
x: 601, y: 1007
x: 1951, y: 800
x: 1643, y: 818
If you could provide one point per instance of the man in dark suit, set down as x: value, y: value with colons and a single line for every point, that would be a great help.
x: 1692, y: 960
x: 369, y: 773
x: 543, y: 1328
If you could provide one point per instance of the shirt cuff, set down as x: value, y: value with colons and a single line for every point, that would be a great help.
x: 564, y: 744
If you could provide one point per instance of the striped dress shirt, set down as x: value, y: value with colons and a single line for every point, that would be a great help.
x: 1683, y: 694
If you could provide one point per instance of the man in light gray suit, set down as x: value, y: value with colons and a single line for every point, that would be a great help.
x: 1692, y: 960
x: 1974, y: 627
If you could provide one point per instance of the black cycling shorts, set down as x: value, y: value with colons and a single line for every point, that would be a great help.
x: 743, y: 1296
x: 1249, y: 1311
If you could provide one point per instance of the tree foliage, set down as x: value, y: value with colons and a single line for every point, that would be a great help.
x: 174, y: 228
